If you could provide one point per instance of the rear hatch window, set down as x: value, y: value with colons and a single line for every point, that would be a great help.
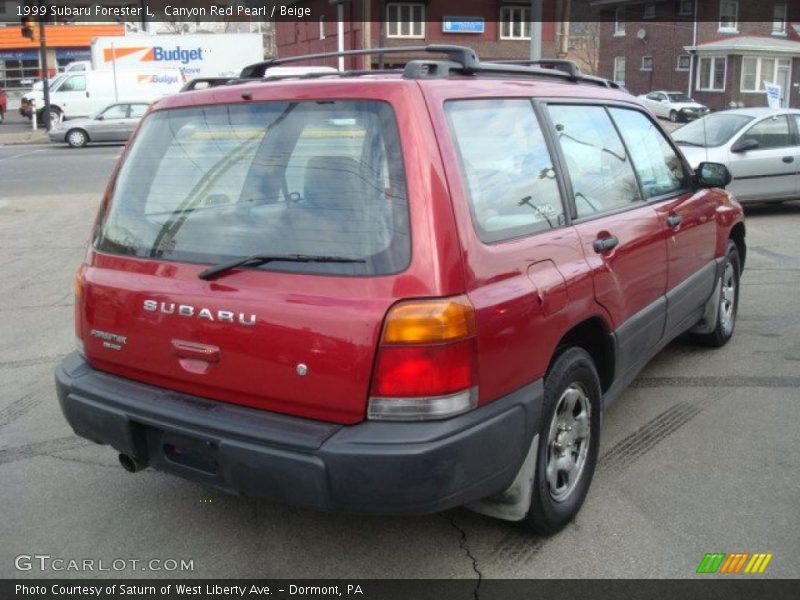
x: 214, y: 183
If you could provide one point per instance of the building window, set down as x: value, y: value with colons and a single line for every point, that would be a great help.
x: 685, y: 7
x: 649, y: 11
x: 619, y: 70
x: 757, y: 70
x: 619, y: 21
x: 684, y: 62
x: 711, y: 73
x: 647, y: 63
x: 405, y: 20
x: 779, y: 19
x: 515, y: 23
x: 729, y: 15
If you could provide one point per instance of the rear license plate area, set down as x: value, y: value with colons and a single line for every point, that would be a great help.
x: 180, y: 451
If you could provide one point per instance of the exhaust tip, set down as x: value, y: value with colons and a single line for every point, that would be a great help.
x: 131, y: 464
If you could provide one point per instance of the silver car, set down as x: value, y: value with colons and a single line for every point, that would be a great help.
x: 114, y: 123
x: 760, y: 147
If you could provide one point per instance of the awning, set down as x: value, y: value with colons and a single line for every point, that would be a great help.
x: 748, y: 44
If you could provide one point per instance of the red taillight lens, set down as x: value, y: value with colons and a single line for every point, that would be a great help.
x: 407, y: 371
x: 427, y: 361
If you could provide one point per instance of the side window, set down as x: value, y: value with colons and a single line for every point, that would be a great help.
x: 770, y: 133
x: 507, y: 168
x: 76, y: 83
x: 138, y: 110
x: 601, y: 173
x: 117, y: 111
x: 659, y: 168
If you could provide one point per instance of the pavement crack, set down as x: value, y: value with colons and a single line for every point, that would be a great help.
x: 464, y: 545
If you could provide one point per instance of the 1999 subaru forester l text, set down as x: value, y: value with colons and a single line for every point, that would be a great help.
x: 393, y: 292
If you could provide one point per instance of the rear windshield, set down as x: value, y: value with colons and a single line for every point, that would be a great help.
x: 211, y: 184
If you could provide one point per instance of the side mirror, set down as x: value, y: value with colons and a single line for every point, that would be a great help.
x: 99, y: 118
x: 743, y: 145
x: 711, y: 174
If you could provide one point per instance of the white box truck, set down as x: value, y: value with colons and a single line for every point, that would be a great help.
x: 83, y: 94
x: 196, y: 55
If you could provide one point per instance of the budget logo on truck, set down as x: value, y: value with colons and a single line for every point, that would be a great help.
x: 156, y: 54
x: 166, y: 79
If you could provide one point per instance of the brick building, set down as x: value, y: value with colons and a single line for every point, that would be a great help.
x: 715, y: 50
x: 495, y: 29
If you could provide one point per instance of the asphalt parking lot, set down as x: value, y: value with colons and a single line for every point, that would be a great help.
x: 700, y: 455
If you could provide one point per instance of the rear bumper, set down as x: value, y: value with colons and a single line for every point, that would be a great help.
x: 372, y: 467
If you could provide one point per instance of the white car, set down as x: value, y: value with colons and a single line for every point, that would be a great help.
x: 675, y: 106
x: 758, y: 145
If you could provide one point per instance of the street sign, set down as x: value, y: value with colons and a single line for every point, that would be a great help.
x: 463, y: 25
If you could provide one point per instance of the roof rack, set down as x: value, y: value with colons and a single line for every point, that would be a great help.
x: 461, y: 60
x: 459, y: 54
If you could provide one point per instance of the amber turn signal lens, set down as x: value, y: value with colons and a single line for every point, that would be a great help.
x: 80, y: 281
x: 430, y: 321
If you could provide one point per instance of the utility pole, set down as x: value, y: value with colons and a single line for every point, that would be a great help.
x: 536, y: 29
x: 45, y: 71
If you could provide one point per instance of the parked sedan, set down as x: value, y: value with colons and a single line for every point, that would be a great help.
x: 760, y: 147
x: 675, y: 106
x: 115, y: 123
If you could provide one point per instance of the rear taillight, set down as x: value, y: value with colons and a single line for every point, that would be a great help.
x: 80, y: 288
x: 427, y: 361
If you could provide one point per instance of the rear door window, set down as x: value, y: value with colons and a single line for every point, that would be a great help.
x: 215, y: 183
x: 508, y: 172
x: 600, y: 170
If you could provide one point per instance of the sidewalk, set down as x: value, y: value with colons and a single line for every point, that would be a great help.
x: 16, y: 129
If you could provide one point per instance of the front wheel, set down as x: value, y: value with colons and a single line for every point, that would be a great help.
x: 77, y: 138
x: 568, y: 442
x: 673, y: 116
x: 728, y: 303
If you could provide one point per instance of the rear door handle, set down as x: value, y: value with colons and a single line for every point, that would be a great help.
x: 788, y: 159
x: 674, y: 220
x: 605, y: 244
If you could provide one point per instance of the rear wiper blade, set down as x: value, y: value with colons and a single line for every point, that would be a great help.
x: 259, y: 259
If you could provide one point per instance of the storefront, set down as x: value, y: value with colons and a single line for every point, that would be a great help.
x: 19, y: 57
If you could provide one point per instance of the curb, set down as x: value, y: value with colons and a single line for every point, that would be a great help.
x: 24, y: 139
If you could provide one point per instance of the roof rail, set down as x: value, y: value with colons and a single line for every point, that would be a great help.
x: 466, y: 57
x: 568, y: 66
x: 461, y: 60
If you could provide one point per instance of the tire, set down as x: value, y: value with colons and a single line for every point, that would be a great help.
x: 55, y: 116
x: 673, y: 116
x: 557, y: 497
x: 728, y: 301
x: 77, y: 138
x: 2, y: 116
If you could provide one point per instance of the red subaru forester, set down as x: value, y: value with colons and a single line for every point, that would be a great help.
x: 394, y: 292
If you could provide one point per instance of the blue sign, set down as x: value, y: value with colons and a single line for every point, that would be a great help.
x: 74, y: 53
x: 19, y: 54
x: 462, y: 25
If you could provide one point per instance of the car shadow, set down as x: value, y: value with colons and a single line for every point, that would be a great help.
x: 766, y: 209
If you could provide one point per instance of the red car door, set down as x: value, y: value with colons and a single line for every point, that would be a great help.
x: 622, y: 236
x: 687, y: 217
